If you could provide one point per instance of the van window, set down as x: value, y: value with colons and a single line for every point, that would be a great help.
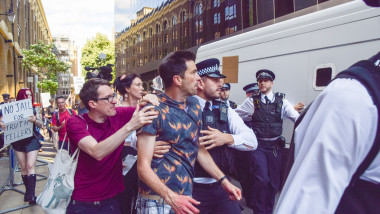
x: 323, y: 75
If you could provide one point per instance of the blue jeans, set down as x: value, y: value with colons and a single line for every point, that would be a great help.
x: 109, y: 206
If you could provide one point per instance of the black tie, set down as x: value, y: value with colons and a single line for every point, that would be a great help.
x: 267, y: 101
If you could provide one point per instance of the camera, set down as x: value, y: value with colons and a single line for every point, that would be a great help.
x: 103, y: 72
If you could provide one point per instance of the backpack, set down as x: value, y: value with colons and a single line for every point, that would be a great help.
x: 56, y: 115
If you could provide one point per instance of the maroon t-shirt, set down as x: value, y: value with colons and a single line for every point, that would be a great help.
x: 62, y: 117
x: 97, y: 180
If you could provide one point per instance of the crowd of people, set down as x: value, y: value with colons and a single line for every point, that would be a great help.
x: 191, y: 140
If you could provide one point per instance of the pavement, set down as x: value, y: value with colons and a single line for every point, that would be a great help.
x: 10, y: 199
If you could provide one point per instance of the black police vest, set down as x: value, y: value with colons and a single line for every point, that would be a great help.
x: 222, y: 155
x: 266, y: 120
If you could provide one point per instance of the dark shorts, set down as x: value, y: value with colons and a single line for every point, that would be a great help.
x: 27, y: 145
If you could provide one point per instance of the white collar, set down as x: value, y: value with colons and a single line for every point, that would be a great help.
x: 270, y: 96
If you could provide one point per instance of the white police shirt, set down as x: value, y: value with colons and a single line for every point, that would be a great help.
x: 247, y: 108
x: 331, y: 142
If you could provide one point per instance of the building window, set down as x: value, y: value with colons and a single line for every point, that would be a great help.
x: 217, y: 18
x: 150, y: 32
x: 183, y: 16
x: 174, y: 20
x: 216, y: 3
x: 198, y: 9
x: 166, y: 38
x: 165, y: 25
x: 230, y: 12
x: 158, y: 28
x: 200, y: 26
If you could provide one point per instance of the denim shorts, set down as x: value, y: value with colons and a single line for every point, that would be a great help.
x: 27, y: 145
x: 148, y: 206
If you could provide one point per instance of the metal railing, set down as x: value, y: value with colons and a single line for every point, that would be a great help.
x: 9, y: 165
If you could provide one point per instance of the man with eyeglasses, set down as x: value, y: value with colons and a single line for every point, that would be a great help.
x: 100, y: 135
x: 59, y: 120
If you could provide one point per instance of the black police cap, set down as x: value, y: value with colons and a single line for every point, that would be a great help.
x: 265, y: 74
x: 209, y: 68
x: 251, y: 87
x: 226, y: 86
x: 5, y: 96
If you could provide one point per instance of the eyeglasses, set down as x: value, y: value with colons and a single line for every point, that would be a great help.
x: 109, y: 99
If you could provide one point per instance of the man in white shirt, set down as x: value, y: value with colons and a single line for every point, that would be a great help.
x: 267, y: 110
x: 331, y: 142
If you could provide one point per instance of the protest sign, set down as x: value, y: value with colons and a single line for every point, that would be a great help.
x: 45, y: 97
x: 17, y: 110
x: 17, y: 130
x: 78, y: 84
x: 15, y: 117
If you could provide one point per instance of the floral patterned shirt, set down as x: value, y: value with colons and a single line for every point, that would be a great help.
x: 177, y: 123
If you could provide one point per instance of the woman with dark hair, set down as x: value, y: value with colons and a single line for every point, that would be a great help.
x: 27, y: 150
x: 131, y: 89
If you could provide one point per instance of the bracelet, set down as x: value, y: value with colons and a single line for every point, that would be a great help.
x: 221, y: 179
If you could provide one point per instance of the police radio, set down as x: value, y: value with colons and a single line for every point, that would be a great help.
x: 223, y: 108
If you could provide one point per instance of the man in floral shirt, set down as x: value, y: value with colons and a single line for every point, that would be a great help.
x: 166, y: 183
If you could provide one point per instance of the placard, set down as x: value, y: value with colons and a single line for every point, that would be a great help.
x: 17, y: 130
x: 15, y: 117
x: 18, y: 110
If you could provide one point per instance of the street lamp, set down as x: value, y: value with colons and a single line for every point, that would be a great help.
x: 10, y: 15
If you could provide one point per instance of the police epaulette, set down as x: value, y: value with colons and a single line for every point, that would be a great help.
x: 280, y: 95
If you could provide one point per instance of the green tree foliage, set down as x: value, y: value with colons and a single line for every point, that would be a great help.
x: 40, y: 57
x: 92, y: 49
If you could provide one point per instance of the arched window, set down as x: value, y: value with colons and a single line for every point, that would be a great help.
x: 183, y: 16
x: 198, y: 9
x: 158, y: 28
x: 174, y: 20
x: 165, y: 25
x: 150, y: 32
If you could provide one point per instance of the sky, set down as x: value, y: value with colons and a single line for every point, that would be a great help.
x: 79, y: 19
x: 125, y: 10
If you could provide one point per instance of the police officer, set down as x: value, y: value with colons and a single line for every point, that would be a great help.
x: 222, y: 130
x: 251, y: 89
x: 5, y: 98
x: 225, y: 95
x: 267, y: 110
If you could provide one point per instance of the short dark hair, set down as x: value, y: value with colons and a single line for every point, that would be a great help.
x: 126, y: 82
x: 89, y: 90
x: 174, y: 64
x: 59, y: 97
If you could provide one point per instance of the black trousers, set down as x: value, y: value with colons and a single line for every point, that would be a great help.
x: 266, y: 168
x: 243, y: 163
x: 214, y: 199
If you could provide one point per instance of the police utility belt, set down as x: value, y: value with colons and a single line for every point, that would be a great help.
x: 278, y: 143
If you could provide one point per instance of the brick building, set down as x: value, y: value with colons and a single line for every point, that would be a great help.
x: 28, y: 27
x: 187, y: 24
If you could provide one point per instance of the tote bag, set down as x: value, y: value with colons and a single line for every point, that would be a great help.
x: 55, y: 197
